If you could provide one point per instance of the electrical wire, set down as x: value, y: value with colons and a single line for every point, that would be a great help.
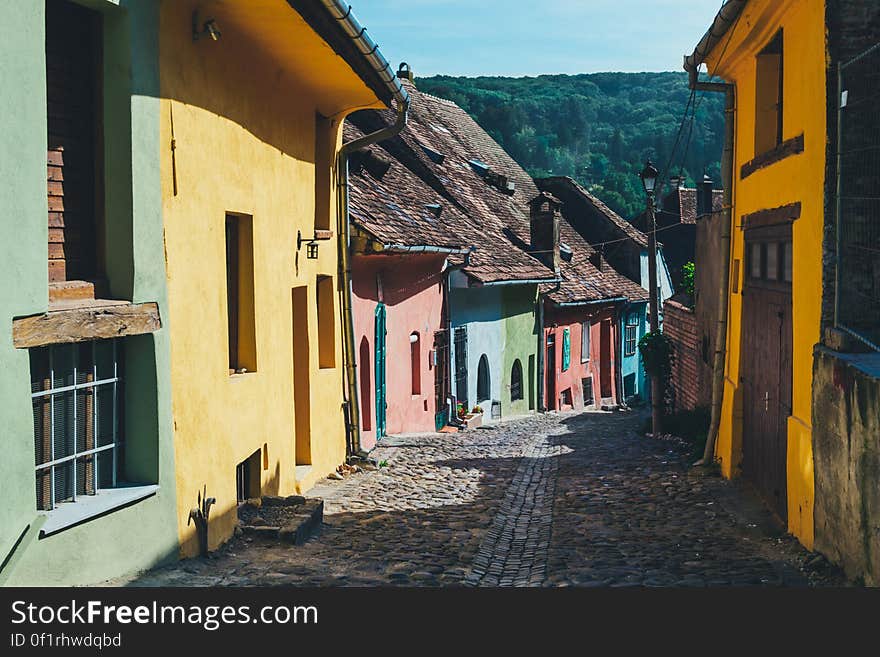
x: 693, y: 105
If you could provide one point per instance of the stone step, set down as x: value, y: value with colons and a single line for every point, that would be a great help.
x: 290, y: 519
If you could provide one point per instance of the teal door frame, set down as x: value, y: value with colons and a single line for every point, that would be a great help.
x: 381, y: 403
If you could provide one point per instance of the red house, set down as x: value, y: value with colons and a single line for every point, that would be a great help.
x: 581, y: 318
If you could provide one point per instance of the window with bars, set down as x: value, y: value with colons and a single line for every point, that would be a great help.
x: 631, y: 335
x: 76, y: 393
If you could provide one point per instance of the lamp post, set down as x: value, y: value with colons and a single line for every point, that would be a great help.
x: 649, y: 181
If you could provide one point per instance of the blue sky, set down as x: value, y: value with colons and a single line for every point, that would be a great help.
x: 530, y: 37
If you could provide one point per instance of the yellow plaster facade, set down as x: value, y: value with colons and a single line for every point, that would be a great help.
x: 797, y: 178
x: 241, y: 114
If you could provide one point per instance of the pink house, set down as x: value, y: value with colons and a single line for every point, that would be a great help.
x: 399, y: 320
x: 402, y: 238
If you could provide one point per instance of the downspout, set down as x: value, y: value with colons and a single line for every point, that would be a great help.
x: 451, y: 396
x: 370, y: 51
x: 344, y: 228
x: 729, y: 91
x: 540, y: 368
x: 541, y: 346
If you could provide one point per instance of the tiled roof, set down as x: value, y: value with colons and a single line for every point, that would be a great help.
x: 583, y: 281
x: 624, y: 227
x: 443, y: 157
x: 398, y: 208
x: 496, y: 222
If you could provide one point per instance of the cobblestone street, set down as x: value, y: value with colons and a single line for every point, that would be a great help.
x: 553, y: 500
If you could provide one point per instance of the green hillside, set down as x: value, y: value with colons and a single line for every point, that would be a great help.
x: 598, y: 128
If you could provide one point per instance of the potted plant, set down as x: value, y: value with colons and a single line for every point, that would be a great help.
x: 474, y: 419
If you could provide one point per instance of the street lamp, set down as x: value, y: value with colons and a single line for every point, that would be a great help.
x: 649, y: 177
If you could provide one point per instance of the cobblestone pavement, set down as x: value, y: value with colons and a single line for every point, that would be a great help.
x: 551, y: 500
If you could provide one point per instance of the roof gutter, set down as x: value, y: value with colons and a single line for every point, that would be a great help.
x: 575, y: 304
x: 523, y: 281
x: 370, y: 52
x: 726, y: 17
x: 402, y: 248
x: 368, y: 48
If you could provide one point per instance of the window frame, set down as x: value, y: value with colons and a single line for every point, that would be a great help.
x: 773, y: 49
x: 115, y: 447
x: 585, y: 341
x: 516, y: 386
x: 631, y: 335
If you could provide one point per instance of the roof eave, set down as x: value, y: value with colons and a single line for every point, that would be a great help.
x: 338, y: 26
x: 728, y: 15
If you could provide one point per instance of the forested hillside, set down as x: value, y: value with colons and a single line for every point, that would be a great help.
x: 598, y: 128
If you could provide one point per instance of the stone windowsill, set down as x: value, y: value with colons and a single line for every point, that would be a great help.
x: 89, y: 507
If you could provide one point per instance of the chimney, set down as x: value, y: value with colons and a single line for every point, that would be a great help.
x: 404, y: 72
x: 704, y: 196
x: 544, y: 220
x: 671, y: 202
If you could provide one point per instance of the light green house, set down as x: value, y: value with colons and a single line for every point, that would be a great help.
x: 85, y: 410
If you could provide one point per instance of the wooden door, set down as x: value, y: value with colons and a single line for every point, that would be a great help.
x: 550, y: 368
x: 461, y: 368
x: 381, y: 404
x: 606, y: 390
x: 441, y: 378
x: 766, y: 363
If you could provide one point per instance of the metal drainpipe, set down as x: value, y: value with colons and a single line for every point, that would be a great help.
x: 540, y: 368
x: 344, y: 228
x: 452, y: 418
x: 541, y: 346
x: 729, y: 91
x: 370, y: 52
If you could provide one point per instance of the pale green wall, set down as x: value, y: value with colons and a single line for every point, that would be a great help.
x: 144, y: 534
x: 520, y: 342
x: 23, y: 250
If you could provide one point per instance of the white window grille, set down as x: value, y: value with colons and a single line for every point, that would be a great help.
x: 631, y: 335
x: 76, y: 398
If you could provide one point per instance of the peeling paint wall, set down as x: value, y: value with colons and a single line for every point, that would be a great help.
x: 846, y: 447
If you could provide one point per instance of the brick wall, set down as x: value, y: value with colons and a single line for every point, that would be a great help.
x: 691, y: 375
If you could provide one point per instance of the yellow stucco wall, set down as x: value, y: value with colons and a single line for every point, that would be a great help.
x: 797, y: 178
x: 244, y: 134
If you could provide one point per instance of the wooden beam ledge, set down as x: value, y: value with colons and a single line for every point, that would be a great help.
x: 81, y: 324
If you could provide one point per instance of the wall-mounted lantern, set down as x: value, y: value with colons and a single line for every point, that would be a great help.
x: 312, y: 243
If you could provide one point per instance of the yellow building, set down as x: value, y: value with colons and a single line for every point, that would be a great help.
x: 773, y: 53
x: 252, y: 98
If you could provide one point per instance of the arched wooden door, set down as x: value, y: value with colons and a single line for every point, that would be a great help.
x: 366, y: 385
